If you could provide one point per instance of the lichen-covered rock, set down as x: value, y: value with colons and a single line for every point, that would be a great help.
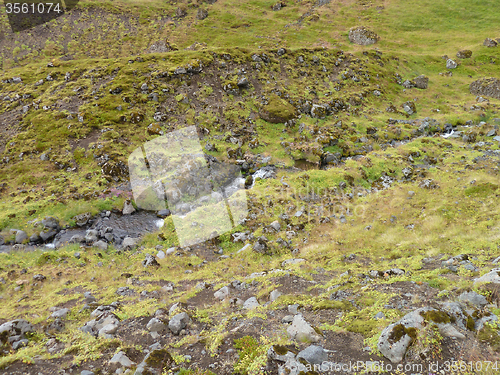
x: 397, y: 337
x: 409, y: 107
x: 486, y: 87
x: 362, y: 36
x: 488, y: 42
x: 421, y: 82
x: 154, y: 129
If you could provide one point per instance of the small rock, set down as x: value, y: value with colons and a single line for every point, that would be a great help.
x: 150, y: 261
x: 129, y: 243
x: 101, y: 245
x: 155, y: 325
x: 274, y: 295
x: 128, y: 208
x: 251, y: 303
x: 178, y: 322
x: 276, y: 225
x: 293, y: 309
x: 313, y: 354
x: 362, y: 36
x: 222, y: 293
x: 163, y: 213
x: 21, y: 236
x: 451, y: 64
x: 421, y: 82
x: 488, y: 42
x: 201, y: 14
x: 122, y: 360
x: 61, y: 313
x: 302, y: 331
x: 464, y: 54
x: 491, y: 277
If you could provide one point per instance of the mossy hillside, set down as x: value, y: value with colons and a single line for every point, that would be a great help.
x: 383, y: 230
x: 316, y: 252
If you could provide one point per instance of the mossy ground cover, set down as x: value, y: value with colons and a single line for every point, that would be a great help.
x: 79, y: 124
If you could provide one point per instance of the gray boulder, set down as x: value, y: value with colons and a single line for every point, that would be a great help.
x: 61, y: 313
x: 77, y: 238
x: 302, y: 331
x: 101, y: 245
x: 397, y: 337
x: 273, y: 354
x: 491, y: 277
x: 129, y: 243
x: 222, y: 293
x: 155, y: 325
x: 251, y: 303
x: 488, y: 42
x: 46, y: 235
x: 178, y: 322
x: 456, y: 311
x: 319, y: 111
x: 313, y: 354
x: 21, y: 236
x: 51, y: 223
x: 17, y: 327
x: 473, y: 298
x: 91, y: 236
x: 276, y: 225
x: 82, y: 219
x: 121, y: 360
x: 128, y: 208
x: 275, y: 294
x: 486, y: 87
x: 409, y: 107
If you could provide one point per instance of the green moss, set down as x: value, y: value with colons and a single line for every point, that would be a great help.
x: 160, y: 359
x: 490, y: 335
x: 329, y: 304
x: 366, y: 327
x: 399, y: 331
x: 436, y: 316
x: 277, y: 110
x: 482, y: 190
x: 470, y: 323
x: 282, y: 350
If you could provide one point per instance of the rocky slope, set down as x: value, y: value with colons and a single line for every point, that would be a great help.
x: 370, y: 165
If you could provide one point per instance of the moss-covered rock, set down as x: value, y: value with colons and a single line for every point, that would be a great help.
x: 277, y: 110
